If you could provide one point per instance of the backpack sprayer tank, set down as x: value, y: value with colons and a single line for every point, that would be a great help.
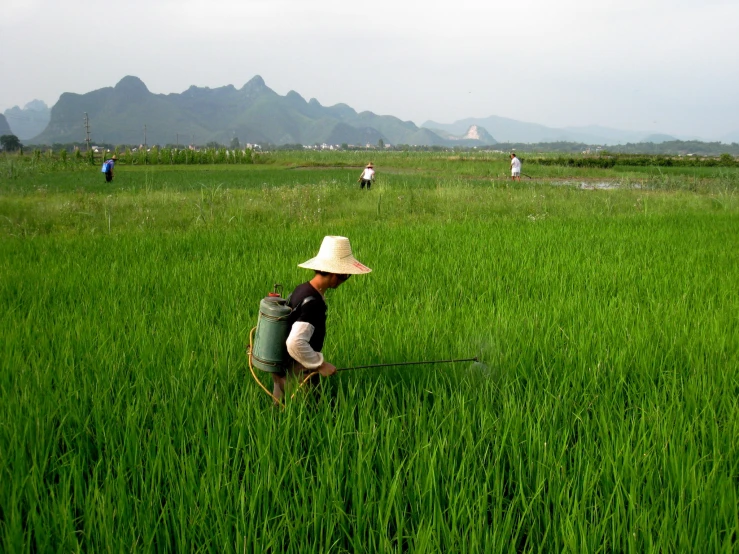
x: 269, y: 351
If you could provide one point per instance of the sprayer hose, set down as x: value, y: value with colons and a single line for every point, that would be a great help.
x: 251, y: 368
x: 303, y: 382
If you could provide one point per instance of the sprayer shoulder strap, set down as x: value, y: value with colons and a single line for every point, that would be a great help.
x: 303, y: 303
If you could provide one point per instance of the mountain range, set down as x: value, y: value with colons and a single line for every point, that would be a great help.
x: 129, y: 113
x: 513, y: 131
x: 29, y: 121
x: 4, y: 126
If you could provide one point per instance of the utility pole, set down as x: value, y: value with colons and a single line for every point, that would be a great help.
x: 144, y: 136
x: 87, y: 132
x: 178, y: 141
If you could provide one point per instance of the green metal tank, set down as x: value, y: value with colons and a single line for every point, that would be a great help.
x: 269, y: 352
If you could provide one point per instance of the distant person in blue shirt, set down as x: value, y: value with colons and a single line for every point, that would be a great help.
x: 108, y: 168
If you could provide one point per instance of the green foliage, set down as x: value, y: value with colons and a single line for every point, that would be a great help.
x: 580, y: 161
x: 10, y: 143
x: 727, y: 160
x: 668, y: 148
x: 609, y: 159
x: 603, y: 415
x: 678, y: 147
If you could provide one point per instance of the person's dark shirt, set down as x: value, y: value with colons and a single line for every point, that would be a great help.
x: 308, y: 306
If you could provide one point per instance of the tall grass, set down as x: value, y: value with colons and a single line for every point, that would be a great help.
x: 603, y: 416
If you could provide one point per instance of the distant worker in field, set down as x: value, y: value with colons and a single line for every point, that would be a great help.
x: 515, y: 167
x: 108, y: 166
x: 367, y: 176
x: 333, y: 265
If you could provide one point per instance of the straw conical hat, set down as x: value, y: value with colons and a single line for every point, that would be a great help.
x: 335, y: 256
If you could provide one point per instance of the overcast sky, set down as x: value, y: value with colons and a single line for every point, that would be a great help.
x: 653, y: 65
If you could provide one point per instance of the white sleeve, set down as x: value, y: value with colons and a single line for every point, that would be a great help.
x: 299, y: 348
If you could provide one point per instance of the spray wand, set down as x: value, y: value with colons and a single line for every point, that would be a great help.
x: 425, y: 362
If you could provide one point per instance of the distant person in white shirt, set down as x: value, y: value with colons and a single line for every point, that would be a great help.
x: 515, y: 168
x: 367, y: 176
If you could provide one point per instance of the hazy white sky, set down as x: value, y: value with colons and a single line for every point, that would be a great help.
x: 653, y: 65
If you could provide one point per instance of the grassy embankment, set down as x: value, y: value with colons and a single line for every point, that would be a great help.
x: 604, y: 415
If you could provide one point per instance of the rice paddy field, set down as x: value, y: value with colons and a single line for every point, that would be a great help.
x: 602, y: 304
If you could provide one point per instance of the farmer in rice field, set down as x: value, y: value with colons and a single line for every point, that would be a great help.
x: 367, y: 176
x: 515, y: 167
x: 333, y: 265
x: 109, y: 165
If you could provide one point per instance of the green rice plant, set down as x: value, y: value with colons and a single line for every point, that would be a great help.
x: 602, y: 414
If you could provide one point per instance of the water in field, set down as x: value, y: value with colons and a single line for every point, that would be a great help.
x: 603, y: 185
x: 599, y: 185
